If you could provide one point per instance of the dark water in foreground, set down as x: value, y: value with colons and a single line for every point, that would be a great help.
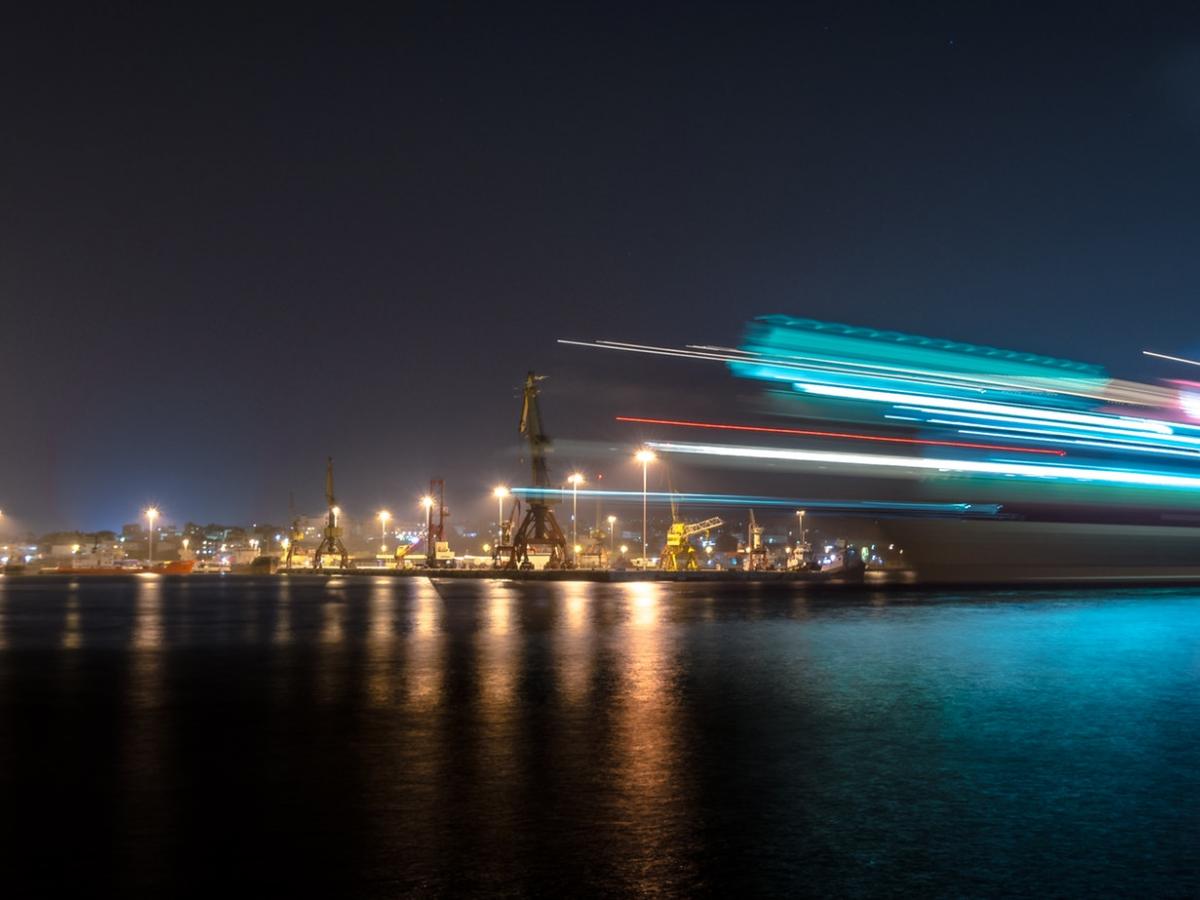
x: 382, y: 737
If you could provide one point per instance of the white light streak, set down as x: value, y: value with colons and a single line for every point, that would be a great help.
x: 965, y: 466
x: 1178, y: 359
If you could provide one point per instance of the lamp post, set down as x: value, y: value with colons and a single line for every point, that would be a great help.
x: 800, y: 549
x: 575, y: 480
x: 151, y: 515
x: 645, y: 457
x: 500, y: 493
x: 384, y: 515
x: 612, y: 534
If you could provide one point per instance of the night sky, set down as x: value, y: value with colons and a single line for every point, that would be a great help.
x: 232, y: 246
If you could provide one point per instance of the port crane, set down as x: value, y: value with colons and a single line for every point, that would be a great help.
x: 294, y: 538
x: 756, y: 555
x: 331, y: 541
x: 679, y: 554
x: 503, y: 548
x: 437, y: 549
x: 539, y: 532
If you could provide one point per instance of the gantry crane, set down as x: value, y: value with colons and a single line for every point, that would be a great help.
x: 679, y: 554
x: 502, y: 550
x: 331, y: 542
x: 539, y: 532
x: 437, y: 549
x: 294, y: 538
x: 756, y: 552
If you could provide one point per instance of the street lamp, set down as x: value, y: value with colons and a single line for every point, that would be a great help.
x: 612, y: 534
x: 575, y: 480
x: 645, y: 457
x: 384, y: 515
x: 800, y: 549
x: 151, y: 515
x: 500, y: 493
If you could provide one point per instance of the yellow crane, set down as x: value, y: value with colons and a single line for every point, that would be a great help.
x: 679, y: 554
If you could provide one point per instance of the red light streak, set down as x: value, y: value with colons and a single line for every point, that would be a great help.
x: 838, y: 434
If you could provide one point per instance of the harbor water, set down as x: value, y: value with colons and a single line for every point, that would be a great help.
x: 359, y: 736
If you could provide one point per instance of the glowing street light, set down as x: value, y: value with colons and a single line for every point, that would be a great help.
x: 500, y: 493
x: 151, y: 515
x: 384, y: 515
x: 645, y: 457
x: 612, y: 534
x: 575, y: 480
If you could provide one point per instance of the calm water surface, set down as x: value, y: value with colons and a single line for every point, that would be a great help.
x: 382, y: 737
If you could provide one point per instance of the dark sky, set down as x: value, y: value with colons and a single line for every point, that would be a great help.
x: 232, y: 245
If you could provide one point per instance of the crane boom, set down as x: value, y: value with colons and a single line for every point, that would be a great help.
x: 706, y: 525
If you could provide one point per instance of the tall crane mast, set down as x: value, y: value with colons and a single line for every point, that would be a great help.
x: 539, y: 532
x: 331, y: 541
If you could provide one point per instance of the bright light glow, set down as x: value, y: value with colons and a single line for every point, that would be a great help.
x: 645, y: 456
x: 624, y: 548
x: 612, y: 520
x: 427, y: 502
x: 1189, y: 402
x: 499, y: 492
x: 337, y: 511
x: 575, y: 479
x: 151, y: 514
x: 840, y: 435
x: 384, y: 515
x: 578, y: 549
x: 967, y: 466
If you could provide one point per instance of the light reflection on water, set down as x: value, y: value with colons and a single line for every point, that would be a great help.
x: 387, y: 736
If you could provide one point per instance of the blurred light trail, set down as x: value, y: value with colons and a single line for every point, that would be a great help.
x: 847, y: 507
x: 849, y: 436
x: 1062, y: 379
x: 1103, y: 445
x: 1178, y: 359
x: 758, y: 364
x: 1047, y: 471
x: 1032, y: 412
